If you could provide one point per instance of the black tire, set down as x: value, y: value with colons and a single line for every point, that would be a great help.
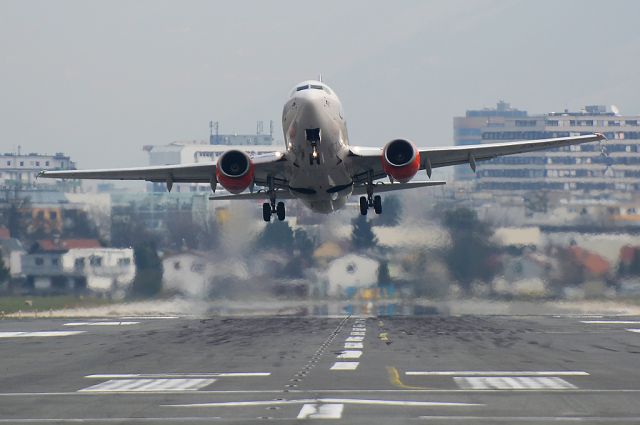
x: 266, y: 211
x: 364, y: 205
x: 377, y: 204
x: 280, y: 211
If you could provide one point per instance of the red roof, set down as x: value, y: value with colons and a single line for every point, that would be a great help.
x: 67, y: 244
x: 4, y: 233
x: 594, y: 263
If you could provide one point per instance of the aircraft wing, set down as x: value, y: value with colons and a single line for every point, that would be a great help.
x: 389, y: 187
x: 365, y: 159
x: 268, y: 164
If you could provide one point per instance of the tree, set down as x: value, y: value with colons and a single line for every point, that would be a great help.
x: 4, y: 271
x: 468, y: 257
x: 362, y: 236
x: 277, y: 235
x: 391, y: 211
x: 149, y: 271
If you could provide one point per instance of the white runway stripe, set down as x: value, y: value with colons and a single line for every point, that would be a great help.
x: 327, y: 401
x: 179, y: 375
x: 345, y: 366
x: 144, y: 385
x: 353, y: 345
x: 611, y: 322
x: 350, y: 354
x: 358, y: 334
x: 101, y: 323
x: 38, y: 334
x: 355, y: 339
x: 499, y: 373
x: 321, y: 411
x: 512, y: 383
x: 633, y: 330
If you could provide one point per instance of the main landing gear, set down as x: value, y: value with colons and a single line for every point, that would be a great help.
x: 270, y: 208
x: 375, y: 202
x: 370, y: 201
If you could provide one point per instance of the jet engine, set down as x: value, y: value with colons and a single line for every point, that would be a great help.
x: 234, y: 171
x: 400, y: 160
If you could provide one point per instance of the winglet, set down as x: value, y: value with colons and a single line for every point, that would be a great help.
x: 601, y: 136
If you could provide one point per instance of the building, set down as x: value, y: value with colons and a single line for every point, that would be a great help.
x: 18, y: 171
x: 78, y: 266
x: 467, y: 130
x: 593, y: 168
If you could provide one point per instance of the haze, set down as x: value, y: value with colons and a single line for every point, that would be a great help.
x: 98, y: 80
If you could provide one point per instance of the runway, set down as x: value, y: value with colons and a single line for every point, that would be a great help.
x: 348, y: 369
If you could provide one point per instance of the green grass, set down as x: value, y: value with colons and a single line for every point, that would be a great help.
x: 12, y: 304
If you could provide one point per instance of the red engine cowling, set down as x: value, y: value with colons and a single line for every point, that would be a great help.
x: 234, y: 171
x: 400, y: 160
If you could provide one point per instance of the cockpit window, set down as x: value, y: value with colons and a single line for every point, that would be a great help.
x: 313, y: 86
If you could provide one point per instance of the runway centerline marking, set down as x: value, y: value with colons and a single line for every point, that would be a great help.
x: 321, y: 411
x: 611, y: 322
x: 498, y: 373
x: 101, y: 323
x: 633, y: 330
x: 178, y: 375
x: 512, y: 383
x: 345, y: 366
x: 38, y: 334
x: 149, y: 385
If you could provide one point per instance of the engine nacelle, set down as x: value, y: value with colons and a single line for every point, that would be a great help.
x: 400, y: 160
x: 235, y: 171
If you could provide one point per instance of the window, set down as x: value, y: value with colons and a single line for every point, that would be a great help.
x: 39, y: 261
x: 37, y: 163
x: 123, y: 262
x: 95, y: 260
x: 79, y: 262
x: 8, y: 162
x: 46, y: 163
x: 53, y: 215
x: 22, y: 163
x: 55, y: 261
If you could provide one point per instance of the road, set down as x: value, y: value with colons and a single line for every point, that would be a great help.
x: 349, y: 369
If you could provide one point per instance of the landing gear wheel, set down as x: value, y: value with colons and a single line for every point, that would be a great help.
x: 266, y: 211
x: 364, y: 205
x: 377, y: 204
x: 280, y: 211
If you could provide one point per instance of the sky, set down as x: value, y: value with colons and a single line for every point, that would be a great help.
x: 98, y: 80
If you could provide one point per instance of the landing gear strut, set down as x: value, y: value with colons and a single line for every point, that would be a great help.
x: 370, y: 201
x: 270, y: 208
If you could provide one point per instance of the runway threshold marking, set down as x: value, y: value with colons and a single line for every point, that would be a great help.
x: 38, y: 334
x: 178, y: 375
x: 149, y: 385
x: 394, y: 378
x: 498, y: 373
x: 352, y: 345
x: 321, y: 411
x: 355, y: 339
x: 345, y: 366
x: 513, y: 383
x: 350, y: 354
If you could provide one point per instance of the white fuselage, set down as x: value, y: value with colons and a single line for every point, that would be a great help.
x: 317, y: 147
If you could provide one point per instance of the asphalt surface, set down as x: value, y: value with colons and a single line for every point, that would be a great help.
x: 350, y: 369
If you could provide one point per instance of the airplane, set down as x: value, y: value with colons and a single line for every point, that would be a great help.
x: 317, y: 165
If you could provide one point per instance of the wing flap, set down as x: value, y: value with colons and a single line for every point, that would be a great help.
x: 389, y: 187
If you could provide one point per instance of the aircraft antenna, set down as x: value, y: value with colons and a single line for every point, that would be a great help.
x: 320, y: 77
